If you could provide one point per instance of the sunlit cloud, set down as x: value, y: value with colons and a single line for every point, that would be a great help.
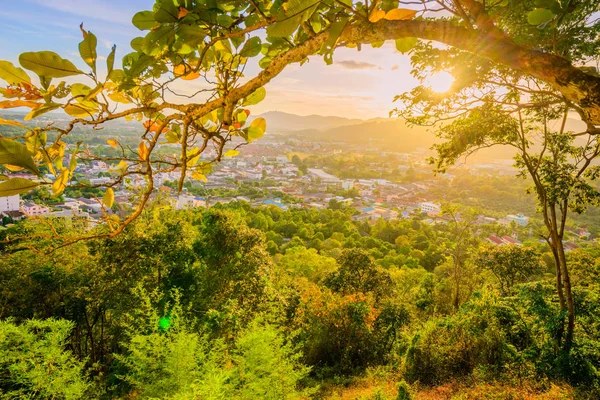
x: 356, y: 65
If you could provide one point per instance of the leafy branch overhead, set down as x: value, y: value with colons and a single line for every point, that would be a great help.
x: 210, y: 43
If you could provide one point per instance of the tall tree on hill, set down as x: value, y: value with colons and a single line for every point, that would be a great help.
x: 491, y: 105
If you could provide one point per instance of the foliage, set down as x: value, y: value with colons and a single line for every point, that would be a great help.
x: 510, y: 264
x: 35, y: 364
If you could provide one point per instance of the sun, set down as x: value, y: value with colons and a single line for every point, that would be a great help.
x: 439, y: 82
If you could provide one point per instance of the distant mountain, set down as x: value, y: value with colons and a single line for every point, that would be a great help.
x: 392, y: 134
x: 278, y: 121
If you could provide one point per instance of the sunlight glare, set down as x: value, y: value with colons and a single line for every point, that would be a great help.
x: 440, y: 82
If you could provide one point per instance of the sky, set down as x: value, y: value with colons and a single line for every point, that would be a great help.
x: 357, y: 85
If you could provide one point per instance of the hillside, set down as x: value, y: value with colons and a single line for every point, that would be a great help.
x: 284, y: 122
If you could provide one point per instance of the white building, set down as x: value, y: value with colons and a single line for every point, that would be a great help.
x: 347, y: 184
x: 431, y: 208
x: 10, y: 203
x: 323, y: 176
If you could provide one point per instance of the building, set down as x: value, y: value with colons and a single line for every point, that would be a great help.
x: 519, y: 219
x: 347, y: 184
x: 10, y: 203
x: 277, y: 203
x: 431, y: 208
x: 34, y: 210
x: 324, y: 177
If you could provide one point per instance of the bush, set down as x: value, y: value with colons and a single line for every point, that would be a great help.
x: 34, y: 363
x: 166, y: 359
x: 454, y: 346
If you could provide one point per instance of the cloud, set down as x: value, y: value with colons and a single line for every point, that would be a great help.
x: 356, y: 65
x: 395, y: 67
x: 89, y: 9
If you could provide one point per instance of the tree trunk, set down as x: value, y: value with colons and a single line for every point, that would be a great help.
x: 566, y: 280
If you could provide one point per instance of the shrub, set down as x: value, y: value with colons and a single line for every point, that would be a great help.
x: 34, y: 363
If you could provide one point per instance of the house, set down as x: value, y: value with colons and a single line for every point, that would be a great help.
x: 31, y: 209
x: 253, y: 175
x: 10, y: 203
x: 90, y: 205
x: 493, y: 239
x: 510, y: 240
x: 15, y: 215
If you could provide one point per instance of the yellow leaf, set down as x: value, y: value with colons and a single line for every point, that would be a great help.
x: 259, y: 123
x: 192, y: 156
x: 376, y: 15
x: 399, y: 14
x: 231, y: 153
x: 113, y: 143
x: 199, y: 176
x: 13, y: 168
x: 80, y: 110
x: 109, y: 198
x: 143, y: 151
x: 121, y: 166
x: 60, y: 183
x: 119, y: 97
x: 9, y: 122
x: 18, y: 103
x: 185, y: 72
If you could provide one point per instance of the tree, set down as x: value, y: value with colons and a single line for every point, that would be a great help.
x: 511, y: 264
x: 495, y: 104
x: 190, y: 39
x: 461, y: 240
x: 234, y: 267
x: 358, y: 273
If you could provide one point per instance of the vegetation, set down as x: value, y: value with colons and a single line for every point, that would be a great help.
x: 255, y: 302
x: 148, y: 314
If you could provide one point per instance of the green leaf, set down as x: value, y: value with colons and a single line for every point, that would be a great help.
x: 334, y: 34
x: 15, y: 153
x: 167, y: 13
x: 539, y: 16
x: 295, y: 13
x: 224, y: 20
x: 14, y: 186
x: 285, y: 27
x: 110, y: 60
x: 254, y: 133
x: 144, y: 20
x: 36, y: 112
x: 87, y: 50
x: 13, y: 75
x: 406, y: 44
x: 48, y: 64
x: 255, y: 97
x: 251, y: 48
x: 109, y: 197
x: 156, y: 41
